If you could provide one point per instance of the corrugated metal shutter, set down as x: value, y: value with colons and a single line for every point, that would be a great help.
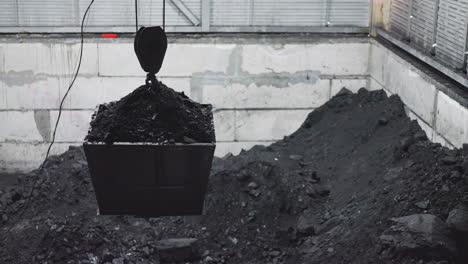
x: 438, y: 26
x: 415, y: 21
x: 400, y: 17
x: 110, y: 12
x: 119, y: 15
x: 268, y: 13
x: 33, y: 13
x: 349, y: 12
x: 290, y: 13
x: 452, y: 32
x: 106, y: 13
x: 8, y: 13
x: 423, y: 23
x: 231, y: 12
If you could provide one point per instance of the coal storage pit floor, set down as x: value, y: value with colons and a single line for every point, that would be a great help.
x: 357, y: 183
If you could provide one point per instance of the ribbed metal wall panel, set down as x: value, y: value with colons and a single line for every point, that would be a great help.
x: 452, y: 32
x: 226, y: 15
x: 290, y: 13
x: 438, y: 27
x: 104, y: 13
x: 107, y: 13
x: 231, y: 12
x: 8, y: 13
x: 34, y: 13
x: 423, y: 23
x: 349, y: 12
x: 400, y: 17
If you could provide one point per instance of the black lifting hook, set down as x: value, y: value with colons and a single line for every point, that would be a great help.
x: 150, y: 48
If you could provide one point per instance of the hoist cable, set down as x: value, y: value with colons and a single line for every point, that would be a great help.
x: 71, y: 84
x: 136, y: 15
x: 164, y: 15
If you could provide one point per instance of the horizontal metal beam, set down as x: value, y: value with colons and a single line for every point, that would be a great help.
x: 192, y: 29
x: 289, y: 29
x: 91, y: 29
x: 456, y: 76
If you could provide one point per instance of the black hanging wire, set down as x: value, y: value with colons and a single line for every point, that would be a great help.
x: 136, y: 15
x: 28, y: 198
x: 71, y: 84
x: 163, y: 15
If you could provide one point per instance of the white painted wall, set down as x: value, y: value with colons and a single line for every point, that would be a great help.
x: 261, y: 92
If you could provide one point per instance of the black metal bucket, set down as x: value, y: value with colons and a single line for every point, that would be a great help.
x: 148, y: 179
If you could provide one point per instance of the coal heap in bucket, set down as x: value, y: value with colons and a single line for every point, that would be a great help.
x: 150, y: 153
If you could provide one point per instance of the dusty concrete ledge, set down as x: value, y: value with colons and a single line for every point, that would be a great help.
x: 237, y: 38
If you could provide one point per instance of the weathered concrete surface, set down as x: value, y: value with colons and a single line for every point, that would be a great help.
x: 39, y: 59
x: 336, y: 59
x: 26, y: 156
x: 43, y: 124
x: 19, y: 126
x: 180, y: 59
x: 437, y: 104
x: 252, y: 125
x: 351, y: 84
x: 74, y: 127
x: 42, y: 94
x: 396, y: 75
x: 261, y: 87
x: 452, y: 120
x: 225, y: 121
x: 224, y: 148
x: 273, y: 90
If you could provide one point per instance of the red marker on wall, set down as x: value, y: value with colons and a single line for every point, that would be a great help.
x: 108, y: 35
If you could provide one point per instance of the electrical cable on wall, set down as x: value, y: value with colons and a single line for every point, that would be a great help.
x: 70, y: 86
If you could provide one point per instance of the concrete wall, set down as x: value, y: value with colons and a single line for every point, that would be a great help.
x: 439, y: 105
x: 261, y: 88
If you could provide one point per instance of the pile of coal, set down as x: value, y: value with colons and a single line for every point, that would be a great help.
x: 154, y: 114
x: 358, y: 182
